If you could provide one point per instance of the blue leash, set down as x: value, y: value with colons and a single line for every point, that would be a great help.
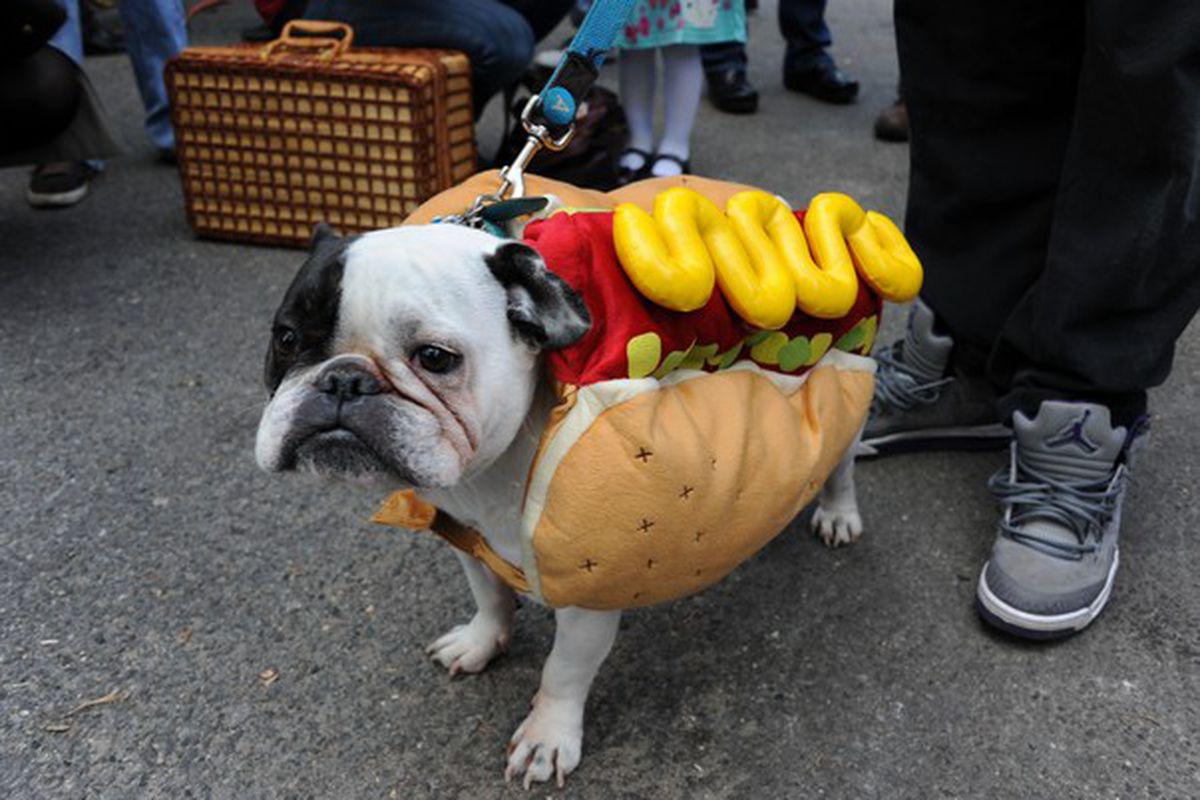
x: 580, y: 64
x: 549, y: 116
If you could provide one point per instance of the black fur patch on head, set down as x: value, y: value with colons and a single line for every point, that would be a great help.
x: 544, y: 310
x: 307, y: 318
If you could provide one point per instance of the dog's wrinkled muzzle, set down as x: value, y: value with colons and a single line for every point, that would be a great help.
x: 347, y: 406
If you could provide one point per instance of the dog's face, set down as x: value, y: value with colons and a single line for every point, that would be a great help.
x: 409, y: 355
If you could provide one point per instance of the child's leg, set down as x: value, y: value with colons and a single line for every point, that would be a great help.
x: 637, y: 98
x: 683, y: 80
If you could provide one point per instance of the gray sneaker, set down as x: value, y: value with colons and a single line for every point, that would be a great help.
x: 1055, y: 556
x: 921, y: 403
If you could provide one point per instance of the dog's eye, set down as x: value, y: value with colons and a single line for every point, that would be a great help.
x: 285, y: 339
x: 437, y: 360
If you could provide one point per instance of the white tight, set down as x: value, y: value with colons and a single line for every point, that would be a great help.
x: 683, y: 80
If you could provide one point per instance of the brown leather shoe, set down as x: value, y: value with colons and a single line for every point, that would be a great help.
x: 892, y: 123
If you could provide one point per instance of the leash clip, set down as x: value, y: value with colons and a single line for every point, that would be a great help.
x: 537, y: 129
x: 512, y: 177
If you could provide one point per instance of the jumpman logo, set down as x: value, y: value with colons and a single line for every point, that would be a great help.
x: 1073, y: 433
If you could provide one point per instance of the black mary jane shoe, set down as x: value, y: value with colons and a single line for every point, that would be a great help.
x: 625, y: 175
x: 685, y: 166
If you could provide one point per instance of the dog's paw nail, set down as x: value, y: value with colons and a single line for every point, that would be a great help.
x: 836, y: 528
x: 546, y: 746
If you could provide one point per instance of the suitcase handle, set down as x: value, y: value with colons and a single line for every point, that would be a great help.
x: 332, y: 47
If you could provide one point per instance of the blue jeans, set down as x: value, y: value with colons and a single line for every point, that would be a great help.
x: 68, y: 39
x: 802, y: 23
x: 155, y: 30
x: 497, y: 35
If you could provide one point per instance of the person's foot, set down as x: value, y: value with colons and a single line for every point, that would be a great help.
x: 922, y: 403
x: 731, y: 91
x: 665, y: 165
x: 892, y: 123
x: 824, y: 81
x: 59, y: 184
x: 1055, y: 557
x: 633, y: 165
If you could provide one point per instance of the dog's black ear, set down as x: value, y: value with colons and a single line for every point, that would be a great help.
x: 542, y: 308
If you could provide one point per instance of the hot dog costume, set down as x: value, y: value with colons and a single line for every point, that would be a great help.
x: 682, y: 442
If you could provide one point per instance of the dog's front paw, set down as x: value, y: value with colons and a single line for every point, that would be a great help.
x: 548, y: 743
x: 469, y: 648
x: 837, y: 526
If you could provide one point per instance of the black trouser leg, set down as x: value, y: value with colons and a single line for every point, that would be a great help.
x: 1052, y: 163
x: 989, y: 88
x: 1122, y: 271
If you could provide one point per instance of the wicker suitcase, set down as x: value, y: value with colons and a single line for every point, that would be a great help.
x: 272, y: 139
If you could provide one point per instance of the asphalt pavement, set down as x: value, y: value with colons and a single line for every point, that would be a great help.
x: 256, y: 637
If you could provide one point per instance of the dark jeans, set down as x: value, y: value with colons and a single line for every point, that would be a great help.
x: 497, y: 35
x: 1055, y: 188
x: 802, y: 23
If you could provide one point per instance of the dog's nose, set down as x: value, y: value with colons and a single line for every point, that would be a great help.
x: 348, y: 381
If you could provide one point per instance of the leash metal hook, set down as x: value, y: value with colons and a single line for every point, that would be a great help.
x: 512, y: 177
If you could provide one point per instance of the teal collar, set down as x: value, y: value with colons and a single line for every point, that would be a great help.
x: 493, y: 217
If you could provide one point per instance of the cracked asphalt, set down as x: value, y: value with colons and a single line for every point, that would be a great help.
x: 265, y: 640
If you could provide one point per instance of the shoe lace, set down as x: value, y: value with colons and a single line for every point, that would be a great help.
x: 1084, y: 507
x: 898, y: 387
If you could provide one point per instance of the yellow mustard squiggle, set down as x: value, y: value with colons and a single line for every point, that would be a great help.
x: 666, y: 256
x: 826, y: 287
x: 762, y: 290
x: 759, y: 255
x: 884, y: 259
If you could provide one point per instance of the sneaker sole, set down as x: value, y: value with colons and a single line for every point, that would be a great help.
x: 976, y: 437
x: 1027, y: 625
x: 57, y: 199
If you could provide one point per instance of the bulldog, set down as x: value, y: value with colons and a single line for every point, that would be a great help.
x: 412, y: 357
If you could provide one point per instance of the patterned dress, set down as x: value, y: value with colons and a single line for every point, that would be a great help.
x: 657, y: 23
